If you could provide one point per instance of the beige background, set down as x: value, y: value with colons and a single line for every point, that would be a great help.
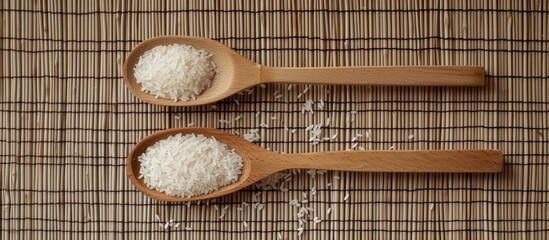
x: 67, y: 121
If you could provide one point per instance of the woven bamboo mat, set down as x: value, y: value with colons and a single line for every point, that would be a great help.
x: 67, y: 122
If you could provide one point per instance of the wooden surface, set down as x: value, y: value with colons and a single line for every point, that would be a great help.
x: 457, y: 161
x: 68, y: 122
x: 259, y: 163
x: 382, y: 76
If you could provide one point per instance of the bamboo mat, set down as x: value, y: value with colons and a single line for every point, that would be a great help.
x: 67, y: 122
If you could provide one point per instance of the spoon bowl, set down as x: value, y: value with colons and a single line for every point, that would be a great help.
x: 237, y: 73
x: 259, y: 163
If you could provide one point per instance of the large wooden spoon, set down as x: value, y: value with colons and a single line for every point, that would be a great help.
x: 259, y: 163
x: 238, y: 73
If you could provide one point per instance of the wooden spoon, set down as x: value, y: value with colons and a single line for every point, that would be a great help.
x: 260, y: 163
x: 238, y: 73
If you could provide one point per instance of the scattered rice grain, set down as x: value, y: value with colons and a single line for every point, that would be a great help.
x: 320, y: 104
x: 316, y: 220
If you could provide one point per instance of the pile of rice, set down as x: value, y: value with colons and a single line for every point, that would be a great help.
x: 189, y: 165
x: 177, y: 72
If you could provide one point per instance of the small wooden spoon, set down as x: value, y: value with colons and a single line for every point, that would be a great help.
x: 260, y: 163
x: 238, y: 73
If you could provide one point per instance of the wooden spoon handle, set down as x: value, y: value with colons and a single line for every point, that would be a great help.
x: 400, y: 161
x: 397, y: 76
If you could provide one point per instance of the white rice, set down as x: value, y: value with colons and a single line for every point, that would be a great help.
x: 316, y: 220
x: 189, y: 165
x: 320, y: 104
x: 177, y: 72
x: 315, y: 131
x: 307, y: 106
x: 252, y: 136
x: 346, y: 197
